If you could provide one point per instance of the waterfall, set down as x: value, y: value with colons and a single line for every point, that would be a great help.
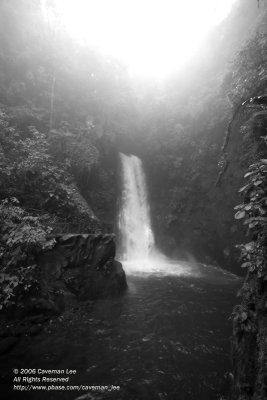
x: 134, y: 220
x: 138, y: 251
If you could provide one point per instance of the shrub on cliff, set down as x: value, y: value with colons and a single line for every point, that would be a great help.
x: 22, y: 238
x: 253, y: 254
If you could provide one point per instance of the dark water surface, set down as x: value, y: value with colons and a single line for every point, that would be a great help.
x: 167, y: 338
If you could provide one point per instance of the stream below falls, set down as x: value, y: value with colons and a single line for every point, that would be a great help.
x: 166, y: 338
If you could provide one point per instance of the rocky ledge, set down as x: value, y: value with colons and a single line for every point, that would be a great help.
x: 79, y: 267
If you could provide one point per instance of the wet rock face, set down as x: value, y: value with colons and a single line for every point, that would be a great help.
x: 79, y: 267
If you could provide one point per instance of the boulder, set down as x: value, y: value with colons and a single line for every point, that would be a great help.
x: 78, y: 267
x: 81, y: 267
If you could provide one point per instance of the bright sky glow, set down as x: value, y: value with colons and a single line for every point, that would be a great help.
x: 152, y: 37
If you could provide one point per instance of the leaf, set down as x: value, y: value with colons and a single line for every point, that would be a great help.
x: 249, y: 246
x: 245, y: 188
x: 259, y: 219
x: 250, y: 173
x: 261, y: 210
x: 240, y: 214
x: 243, y: 316
x: 253, y: 224
x: 249, y: 220
x: 246, y: 264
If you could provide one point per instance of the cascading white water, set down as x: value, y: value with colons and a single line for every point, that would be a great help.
x: 134, y: 220
x: 138, y: 251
